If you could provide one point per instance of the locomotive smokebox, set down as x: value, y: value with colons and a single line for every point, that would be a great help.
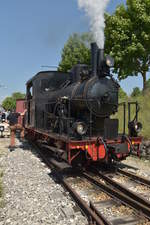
x: 94, y: 58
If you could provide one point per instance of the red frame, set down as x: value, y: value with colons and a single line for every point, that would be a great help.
x: 96, y: 152
x: 136, y: 142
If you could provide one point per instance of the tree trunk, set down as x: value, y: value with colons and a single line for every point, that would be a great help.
x: 144, y: 80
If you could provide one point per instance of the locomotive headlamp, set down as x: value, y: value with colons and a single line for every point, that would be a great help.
x: 81, y: 128
x: 138, y: 127
x: 134, y: 128
x: 109, y: 61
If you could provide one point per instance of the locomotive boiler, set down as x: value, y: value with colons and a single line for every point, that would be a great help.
x: 70, y: 113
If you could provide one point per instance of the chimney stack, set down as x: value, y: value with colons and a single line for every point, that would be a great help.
x: 94, y: 58
x: 100, y: 59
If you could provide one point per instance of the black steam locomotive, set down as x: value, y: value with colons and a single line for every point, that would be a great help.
x: 71, y: 112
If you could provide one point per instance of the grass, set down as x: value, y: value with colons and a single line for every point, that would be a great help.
x: 144, y: 113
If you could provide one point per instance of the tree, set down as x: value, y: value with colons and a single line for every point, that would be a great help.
x: 76, y: 50
x: 148, y: 84
x: 127, y: 36
x: 18, y: 95
x: 122, y: 94
x: 136, y: 92
x: 9, y: 103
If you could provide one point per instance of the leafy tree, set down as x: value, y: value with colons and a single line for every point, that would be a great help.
x: 136, y: 92
x: 18, y: 95
x: 122, y: 94
x: 148, y: 84
x: 127, y: 36
x: 76, y: 50
x: 9, y: 103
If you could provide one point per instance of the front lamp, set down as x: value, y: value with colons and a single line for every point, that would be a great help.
x: 109, y: 61
x: 134, y: 128
x: 80, y: 128
x: 138, y: 127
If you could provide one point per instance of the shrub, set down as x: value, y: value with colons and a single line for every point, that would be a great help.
x: 136, y: 92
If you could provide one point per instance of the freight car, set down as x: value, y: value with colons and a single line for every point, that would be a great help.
x: 70, y: 113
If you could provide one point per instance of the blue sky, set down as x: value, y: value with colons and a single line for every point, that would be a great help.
x: 33, y: 33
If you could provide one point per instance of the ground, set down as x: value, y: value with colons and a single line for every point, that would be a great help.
x: 31, y: 194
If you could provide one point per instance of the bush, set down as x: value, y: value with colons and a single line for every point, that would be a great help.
x: 148, y: 84
x: 122, y: 95
x: 144, y: 113
x: 136, y: 92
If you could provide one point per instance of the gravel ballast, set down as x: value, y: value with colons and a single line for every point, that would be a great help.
x: 31, y: 194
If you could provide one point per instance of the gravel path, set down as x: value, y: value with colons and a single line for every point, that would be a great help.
x: 31, y: 194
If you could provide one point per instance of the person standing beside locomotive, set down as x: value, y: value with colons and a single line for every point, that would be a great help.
x: 14, y: 125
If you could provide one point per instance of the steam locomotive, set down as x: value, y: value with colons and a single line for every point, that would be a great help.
x: 70, y: 113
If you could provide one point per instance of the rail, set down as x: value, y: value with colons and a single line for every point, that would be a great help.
x: 137, y: 178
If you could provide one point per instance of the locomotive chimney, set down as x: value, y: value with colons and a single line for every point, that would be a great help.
x: 100, y: 60
x: 94, y: 58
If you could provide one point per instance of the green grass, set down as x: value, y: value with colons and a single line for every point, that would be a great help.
x: 144, y: 113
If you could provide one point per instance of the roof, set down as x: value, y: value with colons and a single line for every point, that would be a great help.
x: 36, y: 76
x: 40, y: 74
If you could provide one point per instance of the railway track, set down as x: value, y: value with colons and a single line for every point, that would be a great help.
x: 140, y: 207
x: 107, y: 200
x: 137, y: 184
x: 94, y: 217
x: 126, y: 196
x: 132, y: 176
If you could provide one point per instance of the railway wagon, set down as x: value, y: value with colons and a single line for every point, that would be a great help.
x: 20, y: 108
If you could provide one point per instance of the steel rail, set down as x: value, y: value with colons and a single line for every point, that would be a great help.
x: 126, y: 191
x: 120, y: 195
x: 136, y: 178
x: 90, y: 212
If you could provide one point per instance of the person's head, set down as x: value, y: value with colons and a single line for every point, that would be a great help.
x: 12, y: 110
